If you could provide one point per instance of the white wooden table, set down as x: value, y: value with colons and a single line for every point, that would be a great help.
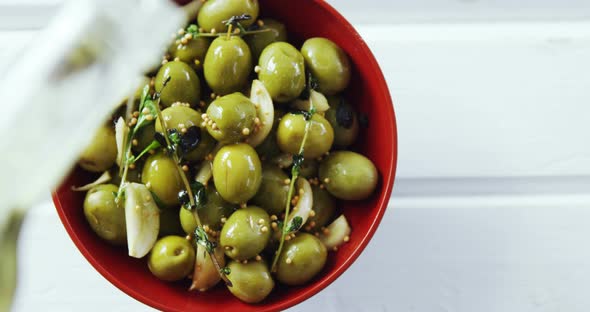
x: 491, y: 206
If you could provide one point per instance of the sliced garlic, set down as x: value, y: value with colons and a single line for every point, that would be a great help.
x: 205, y: 172
x: 337, y: 233
x: 121, y: 132
x: 142, y: 217
x: 104, y: 178
x: 265, y: 111
x: 304, y: 204
x: 205, y: 274
x: 319, y: 101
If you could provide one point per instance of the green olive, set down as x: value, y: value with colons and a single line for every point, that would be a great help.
x: 214, y: 12
x: 327, y: 63
x: 183, y: 84
x: 344, y: 121
x: 160, y: 174
x: 144, y: 137
x: 251, y: 282
x: 309, y: 168
x: 133, y: 175
x: 282, y: 71
x: 192, y: 53
x: 228, y: 64
x: 292, y: 129
x: 179, y: 117
x: 275, y: 32
x: 105, y: 217
x: 245, y: 233
x: 350, y: 176
x: 210, y: 214
x: 237, y: 173
x: 101, y: 153
x: 272, y: 195
x: 302, y: 258
x: 324, y: 206
x: 172, y: 258
x: 169, y: 222
x: 232, y: 118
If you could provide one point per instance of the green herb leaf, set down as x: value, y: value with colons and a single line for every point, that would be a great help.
x: 312, y: 84
x: 174, y: 136
x: 297, y: 163
x: 226, y: 270
x: 295, y: 225
x: 200, y: 194
x: 154, y: 145
x: 200, y: 197
x: 193, y: 30
x: 158, y: 201
x: 202, y: 239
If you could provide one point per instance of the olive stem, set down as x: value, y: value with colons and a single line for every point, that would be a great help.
x: 124, y: 175
x: 188, y: 188
x: 294, y: 177
x: 229, y: 30
x: 126, y: 143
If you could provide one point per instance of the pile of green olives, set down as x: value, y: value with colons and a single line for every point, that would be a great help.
x: 204, y: 88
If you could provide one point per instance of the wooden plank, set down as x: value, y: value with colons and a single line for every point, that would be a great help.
x: 454, y: 254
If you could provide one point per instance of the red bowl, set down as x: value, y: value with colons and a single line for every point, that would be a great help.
x: 368, y: 91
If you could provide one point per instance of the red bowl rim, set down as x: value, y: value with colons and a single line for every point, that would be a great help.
x: 388, y: 181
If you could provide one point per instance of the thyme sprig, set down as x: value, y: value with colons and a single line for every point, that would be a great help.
x: 201, y: 236
x: 232, y: 23
x: 298, y: 159
x: 147, y: 113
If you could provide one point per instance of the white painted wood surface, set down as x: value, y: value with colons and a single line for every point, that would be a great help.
x: 452, y: 255
x: 490, y: 210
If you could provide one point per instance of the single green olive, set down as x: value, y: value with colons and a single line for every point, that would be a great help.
x: 227, y: 65
x: 344, y: 121
x: 105, y: 217
x: 133, y: 174
x: 245, y: 233
x: 210, y: 214
x: 170, y: 223
x: 183, y: 84
x: 251, y: 282
x: 214, y: 13
x: 182, y: 117
x: 282, y: 71
x: 291, y: 131
x: 324, y: 207
x: 309, y: 168
x: 275, y: 31
x: 160, y: 174
x: 172, y: 258
x: 272, y: 194
x: 349, y: 175
x: 327, y: 63
x: 101, y: 153
x: 302, y: 258
x: 237, y: 173
x: 144, y: 137
x: 232, y: 118
x: 269, y: 148
x: 192, y: 53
